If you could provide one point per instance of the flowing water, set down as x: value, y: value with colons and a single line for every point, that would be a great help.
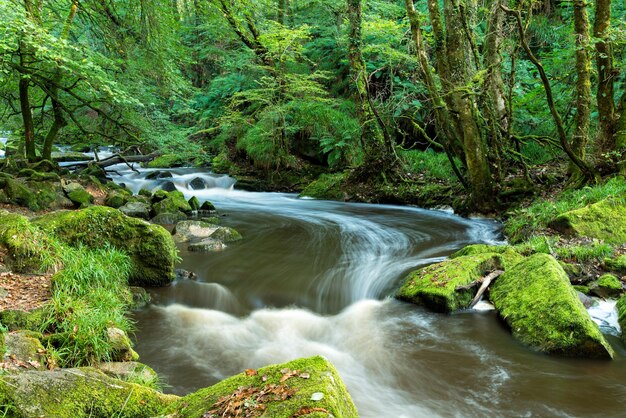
x: 314, y: 277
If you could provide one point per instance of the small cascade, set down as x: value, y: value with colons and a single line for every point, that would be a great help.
x: 3, y: 141
x: 604, y: 313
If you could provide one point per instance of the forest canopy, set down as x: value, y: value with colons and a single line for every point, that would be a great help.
x: 490, y: 89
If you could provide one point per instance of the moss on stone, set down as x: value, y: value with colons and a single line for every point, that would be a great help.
x: 174, y: 202
x: 39, y: 176
x: 15, y: 319
x: 322, y: 379
x: 582, y: 289
x: 605, y: 220
x: 434, y: 286
x: 168, y: 161
x: 150, y: 247
x: 30, y: 249
x: 78, y: 393
x: 508, y: 255
x: 194, y: 203
x: 617, y: 265
x: 327, y: 186
x: 116, y: 199
x: 536, y: 300
x: 17, y: 193
x: 607, y: 286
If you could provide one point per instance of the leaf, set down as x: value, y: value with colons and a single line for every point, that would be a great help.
x: 317, y: 396
x: 250, y: 372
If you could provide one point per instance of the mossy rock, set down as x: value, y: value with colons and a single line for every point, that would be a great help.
x: 168, y: 161
x: 617, y: 265
x: 174, y: 202
x: 621, y: 316
x: 78, y: 393
x: 45, y: 166
x: 145, y: 192
x: 508, y: 256
x: 26, y: 172
x: 17, y: 192
x: 207, y: 207
x: 116, y: 199
x: 605, y: 220
x: 25, y: 346
x: 607, y: 286
x: 168, y: 218
x: 77, y: 194
x: 121, y: 346
x: 39, y: 176
x: 63, y: 157
x: 194, y: 203
x: 536, y: 300
x: 130, y: 371
x: 15, y: 319
x: 582, y: 289
x: 314, y: 385
x: 435, y: 286
x: 29, y: 247
x: 150, y: 247
x: 327, y: 186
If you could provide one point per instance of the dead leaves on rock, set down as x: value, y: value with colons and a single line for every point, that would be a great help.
x: 250, y: 401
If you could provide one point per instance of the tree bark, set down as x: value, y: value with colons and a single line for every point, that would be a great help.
x: 583, y: 82
x: 604, y: 65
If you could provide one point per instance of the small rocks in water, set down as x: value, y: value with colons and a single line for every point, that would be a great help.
x: 168, y: 186
x: 157, y: 175
x: 136, y: 210
x: 317, y: 396
x: 197, y: 184
x: 207, y: 207
x: 194, y: 203
x: 184, y: 274
x: 207, y: 245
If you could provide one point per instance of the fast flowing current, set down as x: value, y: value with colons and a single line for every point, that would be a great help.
x: 316, y: 277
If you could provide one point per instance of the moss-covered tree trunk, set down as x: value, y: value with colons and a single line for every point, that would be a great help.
x: 474, y: 144
x: 604, y: 66
x: 376, y: 143
x: 583, y: 82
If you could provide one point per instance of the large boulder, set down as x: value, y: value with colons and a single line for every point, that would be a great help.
x: 605, y: 220
x: 16, y: 192
x: 78, y: 393
x: 442, y: 287
x: 536, y: 300
x: 305, y: 387
x: 172, y: 203
x: 150, y: 247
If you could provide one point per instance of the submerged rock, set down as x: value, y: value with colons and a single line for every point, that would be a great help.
x: 435, y: 286
x: 150, y: 247
x: 308, y: 387
x: 78, y: 393
x: 197, y: 184
x: 203, y: 236
x: 605, y: 220
x: 536, y: 300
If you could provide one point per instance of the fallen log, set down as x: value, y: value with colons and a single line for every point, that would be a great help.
x: 486, y: 281
x: 115, y: 159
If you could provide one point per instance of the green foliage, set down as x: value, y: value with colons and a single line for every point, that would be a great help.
x: 523, y: 223
x: 89, y: 296
x: 547, y: 244
x: 432, y: 165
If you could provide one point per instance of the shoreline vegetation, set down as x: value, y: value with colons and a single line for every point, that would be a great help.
x: 92, y: 259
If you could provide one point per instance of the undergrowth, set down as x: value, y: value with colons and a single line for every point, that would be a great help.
x: 430, y: 164
x: 89, y: 296
x: 523, y: 223
x: 549, y: 244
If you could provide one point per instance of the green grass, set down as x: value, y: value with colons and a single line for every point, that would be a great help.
x: 88, y: 296
x: 523, y: 223
x: 431, y: 164
x: 575, y: 253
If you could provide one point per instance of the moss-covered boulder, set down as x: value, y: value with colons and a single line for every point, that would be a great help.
x: 605, y: 220
x: 327, y: 186
x: 121, y: 347
x: 15, y: 192
x: 168, y: 218
x: 150, y: 247
x: 618, y: 264
x: 194, y: 203
x: 607, y: 286
x: 25, y: 347
x: 77, y: 194
x: 136, y: 210
x: 14, y: 319
x: 78, y: 393
x: 116, y: 199
x: 308, y: 387
x: 438, y: 286
x: 169, y: 161
x: 174, y: 202
x: 536, y: 300
x: 30, y: 249
x: 508, y: 255
x: 203, y: 236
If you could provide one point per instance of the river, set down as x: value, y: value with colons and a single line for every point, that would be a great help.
x: 315, y: 277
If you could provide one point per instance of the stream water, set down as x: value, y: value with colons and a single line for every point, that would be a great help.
x: 314, y: 277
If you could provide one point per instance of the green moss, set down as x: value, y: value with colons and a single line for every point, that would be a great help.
x: 322, y: 378
x: 434, y: 286
x: 78, y: 393
x: 150, y: 247
x: 605, y: 220
x: 537, y: 301
x: 15, y: 320
x: 609, y: 281
x: 31, y: 249
x: 617, y: 265
x: 38, y: 176
x: 174, y: 202
x: 168, y: 161
x: 17, y: 193
x: 582, y: 289
x: 194, y: 203
x: 327, y: 186
x: 116, y: 199
x: 508, y: 255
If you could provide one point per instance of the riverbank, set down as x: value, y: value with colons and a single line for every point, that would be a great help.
x: 527, y: 241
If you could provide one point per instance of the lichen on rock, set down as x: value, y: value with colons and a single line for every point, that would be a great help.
x: 536, y: 300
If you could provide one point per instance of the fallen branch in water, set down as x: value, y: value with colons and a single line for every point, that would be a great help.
x: 483, y: 287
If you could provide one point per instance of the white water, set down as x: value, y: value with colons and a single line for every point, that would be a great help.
x: 326, y: 267
x: 3, y: 141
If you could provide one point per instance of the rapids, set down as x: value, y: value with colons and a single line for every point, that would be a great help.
x: 315, y: 277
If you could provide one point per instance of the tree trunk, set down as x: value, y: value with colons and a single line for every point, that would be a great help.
x: 583, y: 82
x: 604, y: 65
x: 27, y: 118
x: 474, y: 144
